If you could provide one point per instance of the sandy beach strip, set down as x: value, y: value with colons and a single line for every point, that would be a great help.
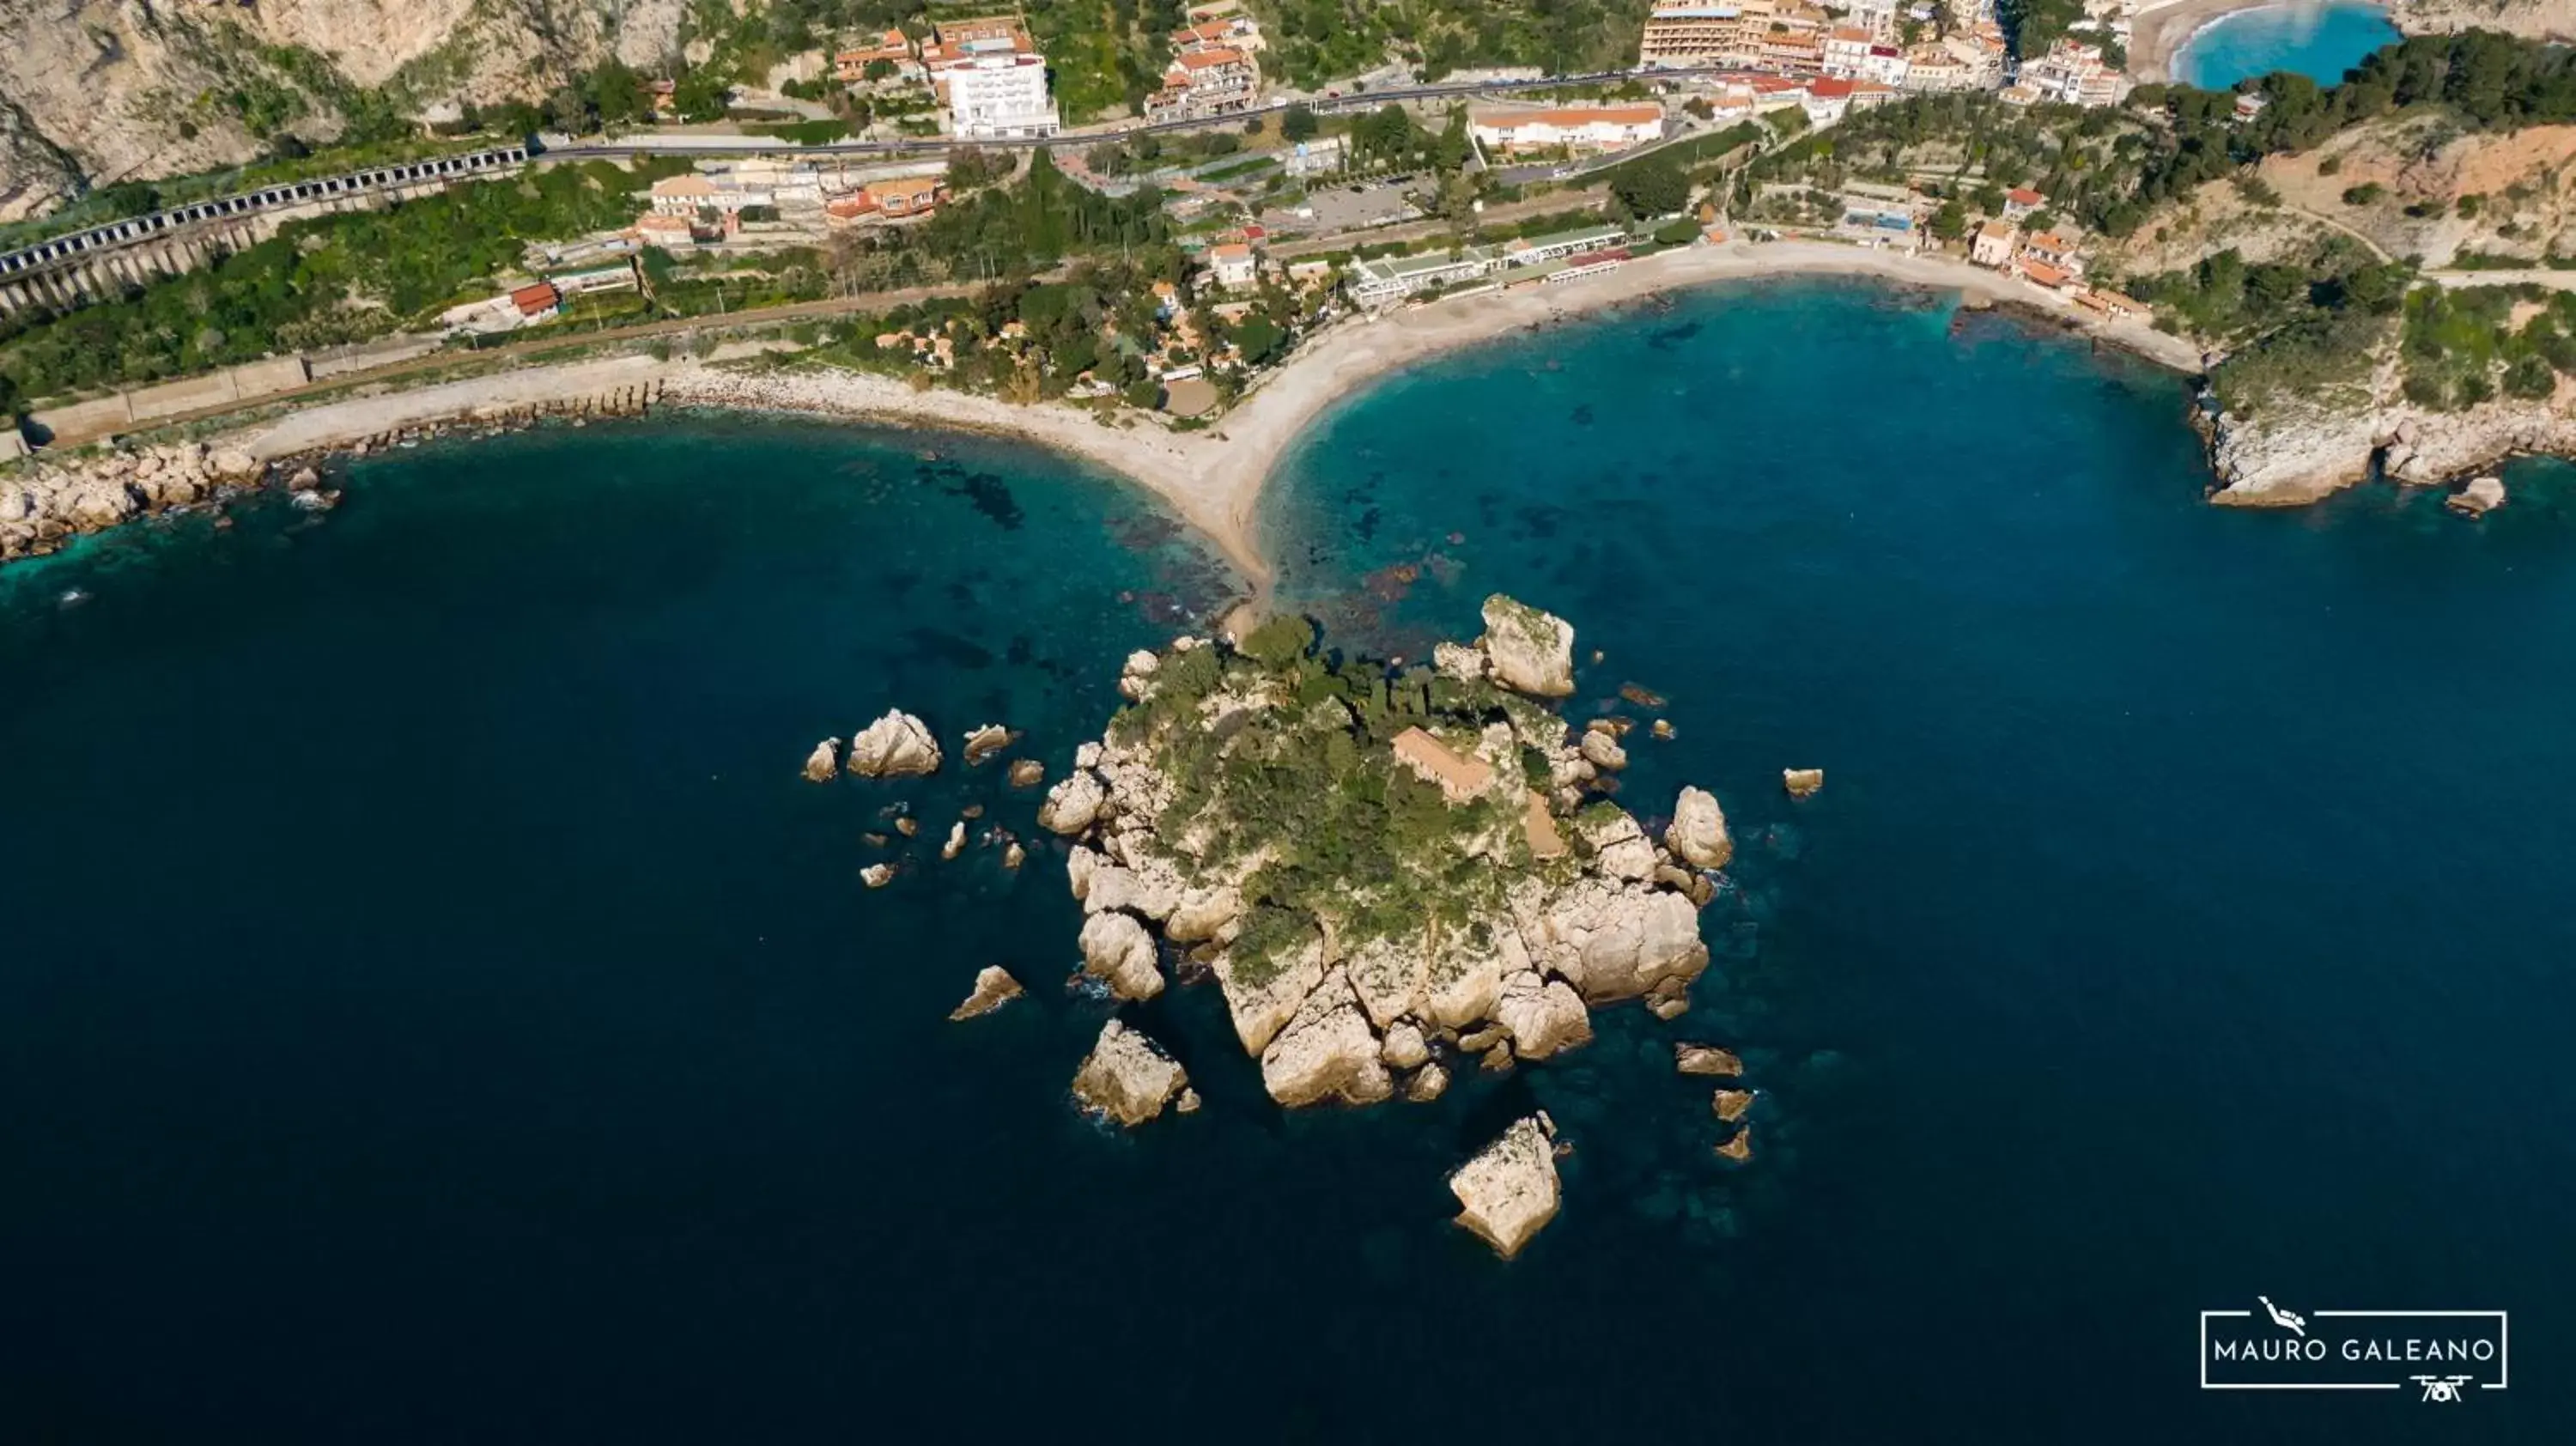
x: 1213, y: 479
x: 2159, y: 32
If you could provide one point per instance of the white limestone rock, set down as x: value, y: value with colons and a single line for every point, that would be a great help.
x: 1802, y: 782
x: 877, y: 876
x: 897, y: 745
x: 1509, y: 1190
x: 1529, y: 651
x: 1117, y: 949
x: 1262, y: 1007
x: 1620, y: 848
x: 1203, y: 914
x: 1466, y: 976
x: 984, y: 742
x: 824, y: 762
x: 1073, y: 805
x: 1612, y: 940
x: 1601, y: 749
x: 1698, y: 831
x: 1128, y: 1078
x: 1137, y: 675
x: 1404, y: 1047
x: 1459, y: 662
x: 994, y: 987
x: 1428, y: 1083
x: 955, y: 843
x: 1545, y: 1016
x: 1327, y: 1052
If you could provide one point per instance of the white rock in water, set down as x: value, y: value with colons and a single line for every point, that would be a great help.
x: 1428, y: 1083
x: 1127, y: 1078
x: 1117, y: 948
x: 824, y: 761
x: 956, y: 843
x: 1802, y: 782
x: 877, y: 876
x: 1509, y: 1190
x: 1530, y: 651
x: 994, y: 987
x: 1327, y: 1052
x: 1698, y: 831
x: 232, y: 462
x: 1027, y: 773
x: 986, y: 741
x: 2482, y: 496
x: 897, y: 745
x: 1073, y: 805
x: 1134, y: 678
x: 1602, y: 751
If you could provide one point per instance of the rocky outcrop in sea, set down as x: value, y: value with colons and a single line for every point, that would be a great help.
x: 1388, y: 874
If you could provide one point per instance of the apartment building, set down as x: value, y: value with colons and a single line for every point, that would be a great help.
x: 1580, y: 128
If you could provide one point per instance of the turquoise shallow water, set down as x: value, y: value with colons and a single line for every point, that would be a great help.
x: 435, y: 1010
x: 2320, y: 41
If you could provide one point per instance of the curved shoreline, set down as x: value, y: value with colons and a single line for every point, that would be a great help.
x: 1212, y: 479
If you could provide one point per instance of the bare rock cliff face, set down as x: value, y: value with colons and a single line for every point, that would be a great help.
x: 93, y: 92
x: 2537, y: 19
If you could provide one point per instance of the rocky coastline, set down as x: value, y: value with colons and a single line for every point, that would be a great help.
x: 2296, y: 456
x: 45, y: 504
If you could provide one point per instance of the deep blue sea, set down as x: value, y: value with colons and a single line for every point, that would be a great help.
x: 434, y: 1010
x: 2315, y: 39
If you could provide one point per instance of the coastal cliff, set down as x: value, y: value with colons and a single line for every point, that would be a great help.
x: 93, y: 92
x: 1385, y: 872
x: 2291, y: 457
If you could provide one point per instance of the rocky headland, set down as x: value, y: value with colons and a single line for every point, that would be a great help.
x: 2292, y: 455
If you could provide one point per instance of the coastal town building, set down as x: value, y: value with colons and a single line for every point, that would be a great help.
x: 1533, y: 250
x: 890, y: 58
x: 1845, y: 47
x: 1993, y: 244
x: 2074, y: 73
x: 1689, y: 33
x: 2048, y: 248
x: 987, y: 74
x: 1317, y: 156
x: 537, y: 302
x: 1000, y: 97
x: 1576, y: 128
x: 894, y: 198
x: 1383, y: 280
x: 1234, y: 266
x: 1211, y: 81
x: 688, y: 195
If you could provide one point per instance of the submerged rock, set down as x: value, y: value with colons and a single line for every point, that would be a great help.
x: 824, y: 762
x: 1706, y: 1059
x: 994, y: 987
x: 1698, y: 831
x: 1117, y: 949
x: 1529, y: 650
x: 897, y: 745
x: 1802, y: 782
x: 1508, y: 1192
x: 1128, y: 1077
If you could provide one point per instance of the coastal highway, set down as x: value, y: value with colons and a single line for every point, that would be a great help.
x: 604, y: 148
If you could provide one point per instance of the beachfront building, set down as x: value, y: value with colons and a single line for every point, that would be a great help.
x: 1993, y: 244
x: 2047, y: 248
x: 1388, y: 279
x: 1213, y: 81
x: 1537, y: 250
x: 688, y: 195
x: 1575, y: 128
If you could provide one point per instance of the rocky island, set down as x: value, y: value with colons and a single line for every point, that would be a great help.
x: 1389, y: 873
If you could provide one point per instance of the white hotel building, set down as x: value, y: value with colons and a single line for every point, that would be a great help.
x: 1000, y: 97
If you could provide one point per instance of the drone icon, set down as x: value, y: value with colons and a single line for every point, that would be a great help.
x: 2442, y: 1388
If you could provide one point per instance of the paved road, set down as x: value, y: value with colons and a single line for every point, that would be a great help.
x: 568, y: 148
